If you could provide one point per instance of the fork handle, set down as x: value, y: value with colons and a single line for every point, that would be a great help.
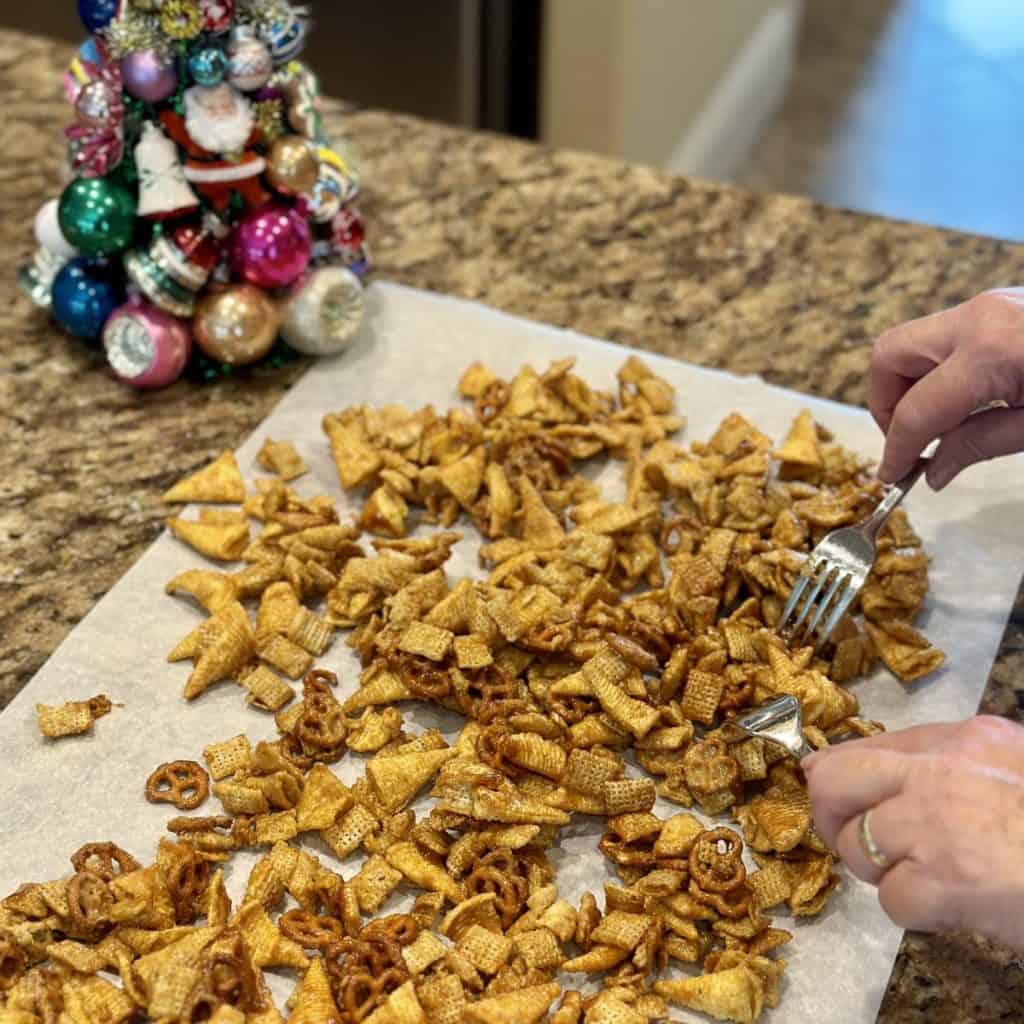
x: 894, y: 494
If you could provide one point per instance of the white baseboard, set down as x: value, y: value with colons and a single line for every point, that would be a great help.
x: 744, y: 101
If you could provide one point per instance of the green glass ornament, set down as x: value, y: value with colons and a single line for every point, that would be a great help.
x: 97, y: 216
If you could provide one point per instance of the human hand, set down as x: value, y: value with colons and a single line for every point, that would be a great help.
x: 929, y: 375
x: 947, y: 812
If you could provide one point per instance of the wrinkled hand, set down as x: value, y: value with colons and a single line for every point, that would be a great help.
x: 947, y: 810
x: 929, y: 375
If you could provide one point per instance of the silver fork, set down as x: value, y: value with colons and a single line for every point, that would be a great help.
x: 838, y: 567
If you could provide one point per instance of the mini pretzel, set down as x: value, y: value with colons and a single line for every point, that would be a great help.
x: 733, y: 904
x: 492, y: 400
x: 309, y: 930
x: 493, y: 710
x: 89, y: 899
x: 182, y: 783
x: 708, y: 766
x: 551, y: 636
x: 401, y: 928
x: 716, y: 861
x: 321, y: 732
x: 361, y: 992
x: 187, y: 880
x: 736, y: 695
x: 231, y: 979
x: 320, y: 679
x: 671, y: 532
x: 105, y: 860
x: 423, y: 677
x: 499, y: 872
x: 13, y: 961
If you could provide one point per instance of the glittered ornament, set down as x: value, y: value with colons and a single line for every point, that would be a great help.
x: 97, y: 14
x: 208, y: 65
x: 250, y: 63
x: 181, y: 19
x: 149, y: 75
x: 292, y: 165
x: 286, y: 37
x: 269, y: 115
x: 145, y: 347
x: 84, y: 295
x: 336, y: 186
x: 96, y: 103
x: 237, y: 325
x: 271, y: 247
x: 324, y: 312
x: 349, y: 231
x: 217, y: 15
x: 97, y: 216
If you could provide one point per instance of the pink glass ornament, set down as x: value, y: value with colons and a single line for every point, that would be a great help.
x: 146, y: 348
x: 271, y: 247
x: 149, y: 76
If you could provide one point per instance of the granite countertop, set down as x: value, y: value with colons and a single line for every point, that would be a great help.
x: 772, y: 285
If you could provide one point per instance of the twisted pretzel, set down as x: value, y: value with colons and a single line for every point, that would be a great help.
x: 361, y: 992
x: 491, y: 401
x: 736, y: 695
x: 182, y: 783
x: 89, y: 899
x: 105, y: 860
x: 716, y: 861
x: 401, y: 928
x: 230, y: 976
x: 425, y: 679
x: 499, y: 872
x: 551, y: 636
x: 709, y: 768
x: 187, y: 880
x: 733, y: 904
x: 309, y: 930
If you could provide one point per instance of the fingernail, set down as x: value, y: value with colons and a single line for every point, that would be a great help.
x: 940, y: 476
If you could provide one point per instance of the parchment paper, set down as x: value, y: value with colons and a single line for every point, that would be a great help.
x: 56, y: 796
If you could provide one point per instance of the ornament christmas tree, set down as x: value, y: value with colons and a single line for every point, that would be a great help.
x: 209, y: 222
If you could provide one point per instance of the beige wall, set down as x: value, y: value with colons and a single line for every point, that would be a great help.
x: 630, y: 77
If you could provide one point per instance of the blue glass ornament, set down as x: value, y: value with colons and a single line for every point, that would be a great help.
x: 208, y: 65
x: 97, y: 14
x: 84, y: 296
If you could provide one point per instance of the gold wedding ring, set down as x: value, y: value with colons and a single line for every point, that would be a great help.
x: 867, y: 840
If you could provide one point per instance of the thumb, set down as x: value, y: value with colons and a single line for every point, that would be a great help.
x: 983, y: 436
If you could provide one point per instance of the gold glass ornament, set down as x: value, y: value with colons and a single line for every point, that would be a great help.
x: 292, y: 165
x: 237, y: 325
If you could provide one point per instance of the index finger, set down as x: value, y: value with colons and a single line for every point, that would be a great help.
x: 853, y: 781
x: 904, y: 354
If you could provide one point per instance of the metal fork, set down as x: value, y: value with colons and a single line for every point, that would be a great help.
x: 838, y: 567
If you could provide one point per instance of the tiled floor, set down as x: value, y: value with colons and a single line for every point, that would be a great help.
x: 908, y: 108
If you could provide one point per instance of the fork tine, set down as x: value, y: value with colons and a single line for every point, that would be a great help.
x: 844, y: 602
x: 819, y: 582
x: 798, y: 588
x: 839, y: 579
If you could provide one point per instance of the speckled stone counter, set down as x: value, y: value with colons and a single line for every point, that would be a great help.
x: 754, y: 284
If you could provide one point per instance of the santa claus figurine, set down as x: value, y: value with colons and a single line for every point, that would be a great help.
x: 217, y: 133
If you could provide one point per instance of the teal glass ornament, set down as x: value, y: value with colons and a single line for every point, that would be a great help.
x: 97, y: 216
x: 208, y: 65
